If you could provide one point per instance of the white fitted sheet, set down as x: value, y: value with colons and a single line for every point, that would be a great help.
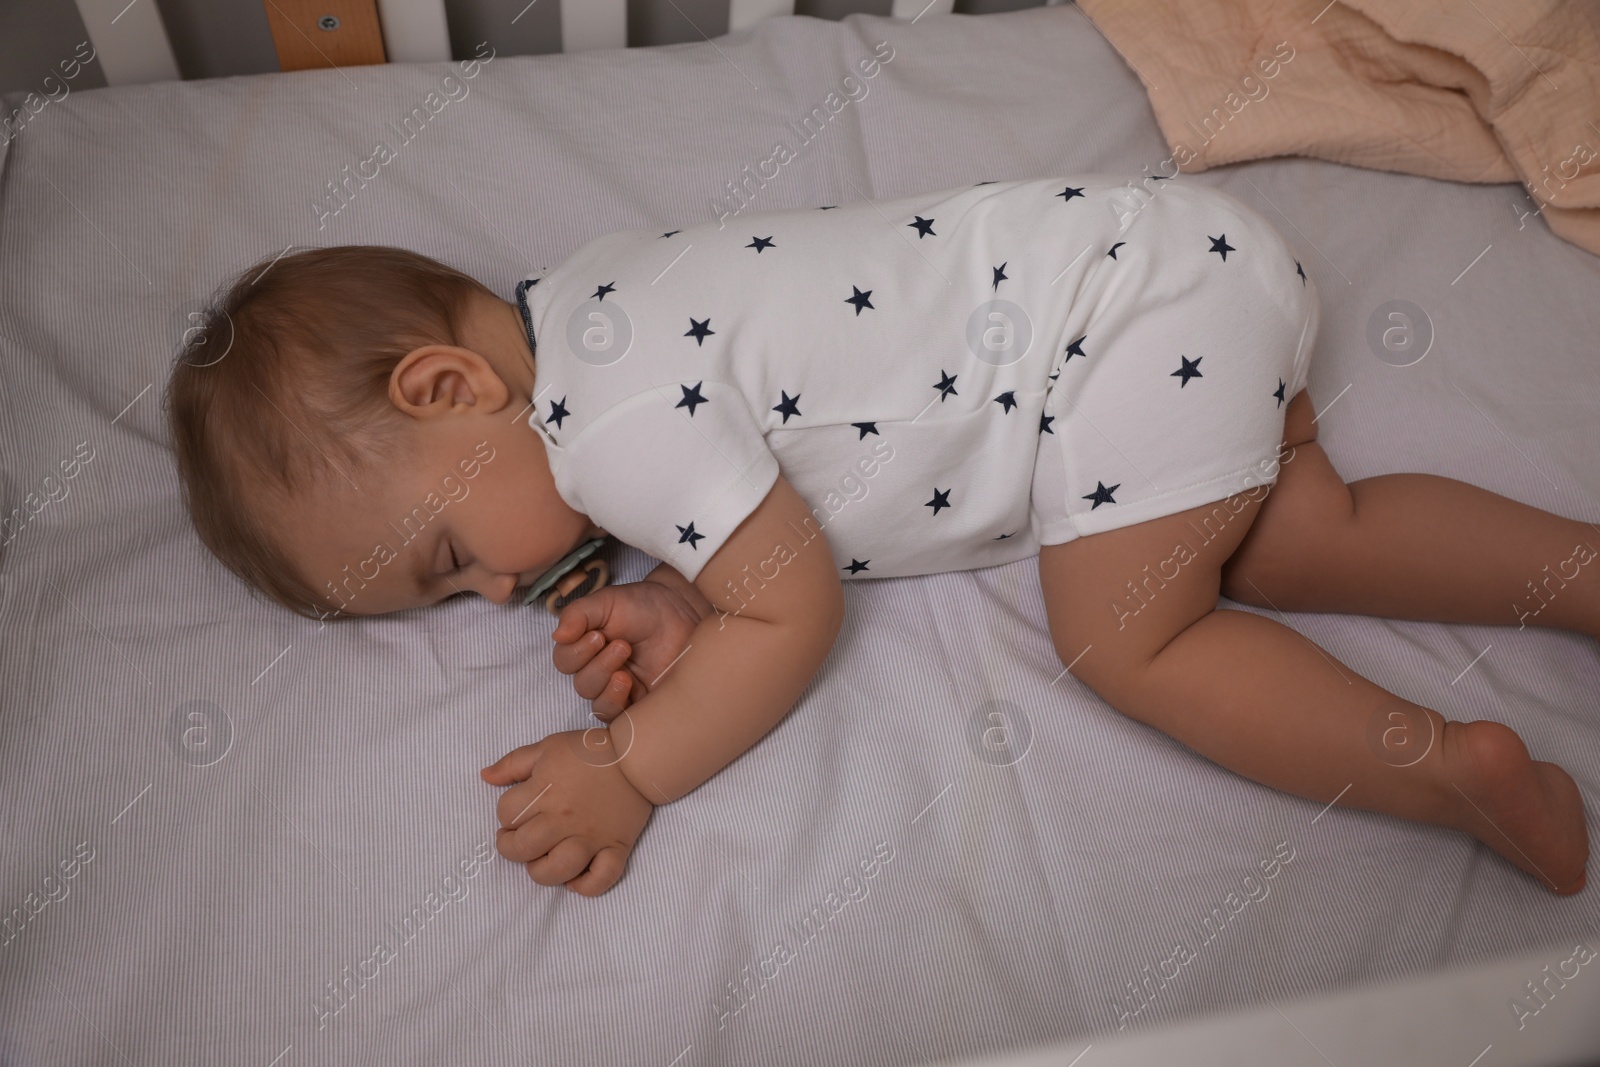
x: 221, y: 901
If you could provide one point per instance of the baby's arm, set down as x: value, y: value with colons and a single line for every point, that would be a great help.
x: 578, y: 802
x: 748, y: 661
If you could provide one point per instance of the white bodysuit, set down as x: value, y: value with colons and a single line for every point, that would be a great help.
x: 950, y: 379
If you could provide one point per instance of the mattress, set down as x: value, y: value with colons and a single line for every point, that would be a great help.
x: 239, y: 836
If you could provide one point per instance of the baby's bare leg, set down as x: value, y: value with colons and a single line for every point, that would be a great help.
x: 1411, y: 546
x: 1261, y: 700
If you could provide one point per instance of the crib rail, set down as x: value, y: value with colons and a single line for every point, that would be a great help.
x: 132, y: 44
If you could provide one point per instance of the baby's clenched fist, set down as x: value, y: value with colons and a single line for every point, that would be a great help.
x: 620, y: 641
x: 570, y: 815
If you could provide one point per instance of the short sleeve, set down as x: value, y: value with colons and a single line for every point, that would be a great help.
x: 672, y: 470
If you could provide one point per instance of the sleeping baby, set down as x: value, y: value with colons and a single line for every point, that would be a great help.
x: 1106, y: 376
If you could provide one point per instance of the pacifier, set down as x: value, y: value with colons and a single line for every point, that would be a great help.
x: 565, y: 582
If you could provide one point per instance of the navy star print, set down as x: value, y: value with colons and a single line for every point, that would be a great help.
x: 788, y: 406
x: 698, y: 330
x: 1190, y: 369
x: 1101, y: 494
x: 691, y: 397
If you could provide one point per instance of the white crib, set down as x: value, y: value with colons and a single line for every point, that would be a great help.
x: 133, y: 45
x: 1420, y: 1020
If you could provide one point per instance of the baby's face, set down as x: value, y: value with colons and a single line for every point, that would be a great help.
x: 465, y: 504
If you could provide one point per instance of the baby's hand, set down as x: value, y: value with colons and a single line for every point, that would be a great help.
x: 618, y: 641
x: 573, y: 817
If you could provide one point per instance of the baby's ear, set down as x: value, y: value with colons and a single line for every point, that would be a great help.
x: 435, y: 378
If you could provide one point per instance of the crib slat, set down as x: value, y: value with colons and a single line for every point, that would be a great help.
x: 414, y: 31
x: 587, y: 24
x: 912, y: 9
x: 743, y: 13
x: 129, y: 41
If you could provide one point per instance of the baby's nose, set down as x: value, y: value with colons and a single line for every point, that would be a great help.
x: 499, y: 589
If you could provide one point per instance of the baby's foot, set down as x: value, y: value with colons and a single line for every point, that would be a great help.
x: 1528, y: 811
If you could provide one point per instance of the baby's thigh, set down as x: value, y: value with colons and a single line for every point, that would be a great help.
x: 1114, y: 599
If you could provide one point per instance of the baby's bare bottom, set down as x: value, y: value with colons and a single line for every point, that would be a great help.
x: 1257, y: 697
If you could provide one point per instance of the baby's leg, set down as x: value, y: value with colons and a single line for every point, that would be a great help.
x: 1410, y: 546
x: 1261, y: 700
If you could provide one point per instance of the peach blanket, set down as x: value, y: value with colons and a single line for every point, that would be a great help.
x: 1469, y: 90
